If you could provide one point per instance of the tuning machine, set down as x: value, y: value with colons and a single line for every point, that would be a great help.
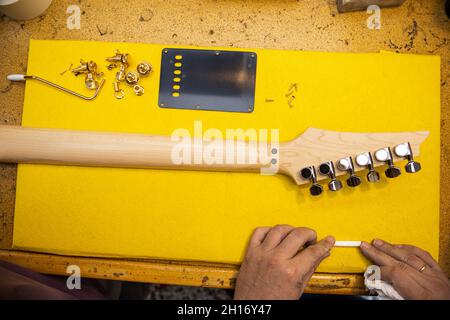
x: 346, y: 164
x: 385, y: 155
x: 404, y: 151
x: 309, y: 173
x: 365, y: 160
x: 327, y: 169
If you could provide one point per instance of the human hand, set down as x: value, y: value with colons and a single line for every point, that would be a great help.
x: 279, y: 262
x: 412, y: 272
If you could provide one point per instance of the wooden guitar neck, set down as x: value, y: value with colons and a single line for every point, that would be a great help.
x: 311, y: 149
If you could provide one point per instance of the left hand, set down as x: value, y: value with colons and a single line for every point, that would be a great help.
x: 279, y: 263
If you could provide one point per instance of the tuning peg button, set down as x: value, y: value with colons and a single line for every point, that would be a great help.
x: 365, y: 160
x: 309, y: 173
x: 373, y: 176
x: 392, y: 172
x: 353, y: 181
x: 335, y: 185
x: 327, y: 169
x: 404, y: 150
x: 346, y: 164
x: 412, y: 167
x: 385, y: 155
x: 316, y: 189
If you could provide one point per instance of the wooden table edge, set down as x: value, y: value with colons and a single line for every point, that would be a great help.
x: 185, y: 273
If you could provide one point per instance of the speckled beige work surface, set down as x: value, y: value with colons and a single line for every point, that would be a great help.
x: 416, y: 27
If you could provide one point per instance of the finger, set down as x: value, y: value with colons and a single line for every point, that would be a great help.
x: 401, y: 254
x: 313, y: 255
x: 258, y: 236
x: 295, y: 240
x: 275, y: 235
x: 308, y: 276
x: 382, y: 259
x: 377, y: 256
x: 422, y: 254
x: 403, y: 283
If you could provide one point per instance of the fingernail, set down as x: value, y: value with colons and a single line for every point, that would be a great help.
x: 364, y: 245
x: 378, y: 242
x: 330, y: 240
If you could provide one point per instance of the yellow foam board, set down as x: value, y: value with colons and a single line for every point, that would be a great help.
x: 209, y: 216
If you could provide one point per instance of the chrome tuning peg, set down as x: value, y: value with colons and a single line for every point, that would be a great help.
x: 327, y: 169
x: 385, y: 155
x: 309, y: 173
x: 346, y: 164
x: 365, y: 160
x: 404, y: 151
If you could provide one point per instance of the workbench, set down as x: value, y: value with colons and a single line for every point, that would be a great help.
x: 419, y: 27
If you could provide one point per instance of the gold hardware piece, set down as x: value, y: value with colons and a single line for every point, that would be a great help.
x: 138, y: 90
x: 90, y: 70
x: 118, y: 57
x: 90, y: 82
x: 111, y: 66
x: 121, y: 60
x: 132, y: 78
x: 118, y: 93
x: 144, y: 69
x: 120, y: 75
x: 85, y: 67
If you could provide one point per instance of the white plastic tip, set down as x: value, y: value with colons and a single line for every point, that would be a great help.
x: 16, y: 77
x: 347, y: 243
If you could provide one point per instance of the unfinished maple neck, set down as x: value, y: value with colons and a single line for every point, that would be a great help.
x: 313, y: 156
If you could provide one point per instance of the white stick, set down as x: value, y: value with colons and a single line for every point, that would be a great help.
x: 16, y: 77
x: 347, y: 243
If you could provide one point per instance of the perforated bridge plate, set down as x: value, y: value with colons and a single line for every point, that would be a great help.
x: 207, y: 80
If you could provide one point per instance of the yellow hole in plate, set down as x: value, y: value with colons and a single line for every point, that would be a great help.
x: 175, y: 94
x: 178, y: 64
x: 176, y: 87
x: 177, y: 72
x: 176, y: 79
x: 178, y: 57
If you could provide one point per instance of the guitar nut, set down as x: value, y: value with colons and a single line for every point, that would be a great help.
x: 132, y: 78
x: 144, y: 69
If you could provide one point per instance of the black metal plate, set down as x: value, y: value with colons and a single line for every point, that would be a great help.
x: 208, y: 80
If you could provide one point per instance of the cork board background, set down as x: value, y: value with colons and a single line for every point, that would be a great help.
x: 419, y: 27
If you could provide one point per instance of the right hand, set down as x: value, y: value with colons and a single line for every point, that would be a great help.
x: 412, y: 272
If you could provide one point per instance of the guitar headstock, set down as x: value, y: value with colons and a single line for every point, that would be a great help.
x: 325, y: 155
